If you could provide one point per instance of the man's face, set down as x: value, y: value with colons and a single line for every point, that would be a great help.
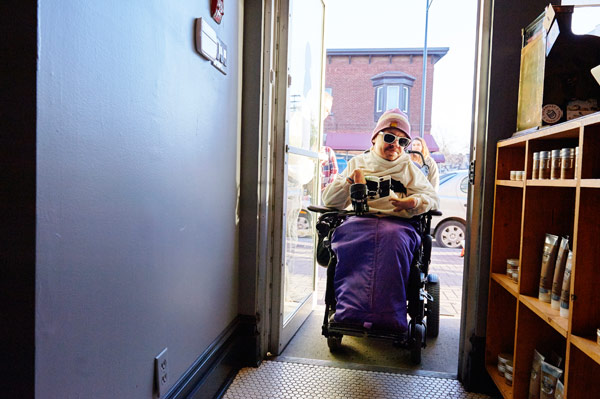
x: 392, y: 151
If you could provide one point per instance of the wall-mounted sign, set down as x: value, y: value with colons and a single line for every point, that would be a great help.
x: 217, y: 9
x: 210, y: 46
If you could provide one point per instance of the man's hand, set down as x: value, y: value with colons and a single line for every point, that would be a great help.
x: 401, y: 204
x: 357, y: 176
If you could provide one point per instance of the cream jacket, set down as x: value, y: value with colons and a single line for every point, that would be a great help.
x: 434, y: 174
x: 337, y: 194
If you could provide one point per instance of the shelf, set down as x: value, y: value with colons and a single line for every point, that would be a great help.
x: 569, y: 129
x: 507, y: 283
x: 590, y: 119
x: 590, y: 183
x: 553, y: 183
x: 587, y: 346
x: 505, y: 389
x: 546, y: 313
x: 510, y: 183
x: 524, y: 211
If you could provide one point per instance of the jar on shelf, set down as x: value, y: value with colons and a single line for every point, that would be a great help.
x: 555, y: 165
x: 513, y: 175
x: 511, y: 265
x: 519, y: 175
x: 567, y: 163
x: 508, y: 372
x: 544, y: 165
x: 503, y: 358
x: 535, y: 168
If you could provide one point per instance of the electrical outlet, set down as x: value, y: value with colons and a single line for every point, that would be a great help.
x: 161, y: 373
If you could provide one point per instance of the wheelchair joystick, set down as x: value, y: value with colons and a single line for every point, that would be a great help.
x: 358, y: 196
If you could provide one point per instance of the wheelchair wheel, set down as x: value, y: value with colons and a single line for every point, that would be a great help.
x: 334, y: 342
x: 433, y: 310
x: 418, y: 338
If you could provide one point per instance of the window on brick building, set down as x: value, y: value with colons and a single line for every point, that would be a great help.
x: 392, y: 90
x: 379, y: 99
x: 405, y: 97
x: 393, y: 97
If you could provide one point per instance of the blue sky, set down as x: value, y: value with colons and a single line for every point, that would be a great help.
x: 401, y: 23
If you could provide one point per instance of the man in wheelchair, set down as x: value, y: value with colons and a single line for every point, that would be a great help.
x: 374, y: 252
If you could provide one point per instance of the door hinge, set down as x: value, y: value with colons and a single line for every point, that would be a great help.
x: 472, y: 173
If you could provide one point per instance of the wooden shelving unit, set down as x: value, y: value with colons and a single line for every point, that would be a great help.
x: 524, y: 211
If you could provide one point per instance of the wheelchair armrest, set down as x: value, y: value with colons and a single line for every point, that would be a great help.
x: 322, y: 209
x: 434, y: 212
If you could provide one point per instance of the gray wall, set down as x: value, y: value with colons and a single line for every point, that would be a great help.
x: 136, y: 193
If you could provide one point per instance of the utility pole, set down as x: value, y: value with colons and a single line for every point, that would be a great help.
x: 424, y: 82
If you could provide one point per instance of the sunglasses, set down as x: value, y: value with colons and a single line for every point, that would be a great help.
x: 391, y: 138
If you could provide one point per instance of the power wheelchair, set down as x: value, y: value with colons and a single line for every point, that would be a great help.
x: 422, y: 291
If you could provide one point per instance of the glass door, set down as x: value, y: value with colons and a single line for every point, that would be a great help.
x: 297, y: 127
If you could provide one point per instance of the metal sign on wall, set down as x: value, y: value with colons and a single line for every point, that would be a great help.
x: 210, y: 46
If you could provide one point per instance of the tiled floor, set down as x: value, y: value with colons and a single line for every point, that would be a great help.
x: 297, y: 381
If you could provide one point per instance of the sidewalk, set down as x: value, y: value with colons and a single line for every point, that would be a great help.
x: 448, y: 265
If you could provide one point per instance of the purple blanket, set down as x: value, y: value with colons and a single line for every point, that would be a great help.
x: 374, y: 256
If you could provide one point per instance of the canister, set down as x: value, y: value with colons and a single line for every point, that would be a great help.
x: 519, y: 175
x: 567, y: 163
x: 508, y: 372
x: 535, y: 167
x: 555, y: 165
x: 544, y: 165
x: 503, y: 358
x: 511, y: 264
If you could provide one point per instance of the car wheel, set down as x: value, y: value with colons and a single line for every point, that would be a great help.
x: 450, y: 234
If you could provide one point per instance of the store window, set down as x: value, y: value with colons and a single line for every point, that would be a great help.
x: 392, y: 90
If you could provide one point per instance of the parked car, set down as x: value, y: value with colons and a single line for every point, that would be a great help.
x: 342, y: 163
x: 449, y: 229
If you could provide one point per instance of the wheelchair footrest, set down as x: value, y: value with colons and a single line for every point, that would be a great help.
x: 355, y: 330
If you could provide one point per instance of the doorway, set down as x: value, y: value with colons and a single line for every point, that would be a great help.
x: 403, y: 86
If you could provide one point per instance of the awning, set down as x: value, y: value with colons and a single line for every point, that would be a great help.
x: 431, y: 144
x: 438, y: 157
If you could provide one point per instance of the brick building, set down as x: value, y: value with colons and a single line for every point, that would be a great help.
x: 366, y: 82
